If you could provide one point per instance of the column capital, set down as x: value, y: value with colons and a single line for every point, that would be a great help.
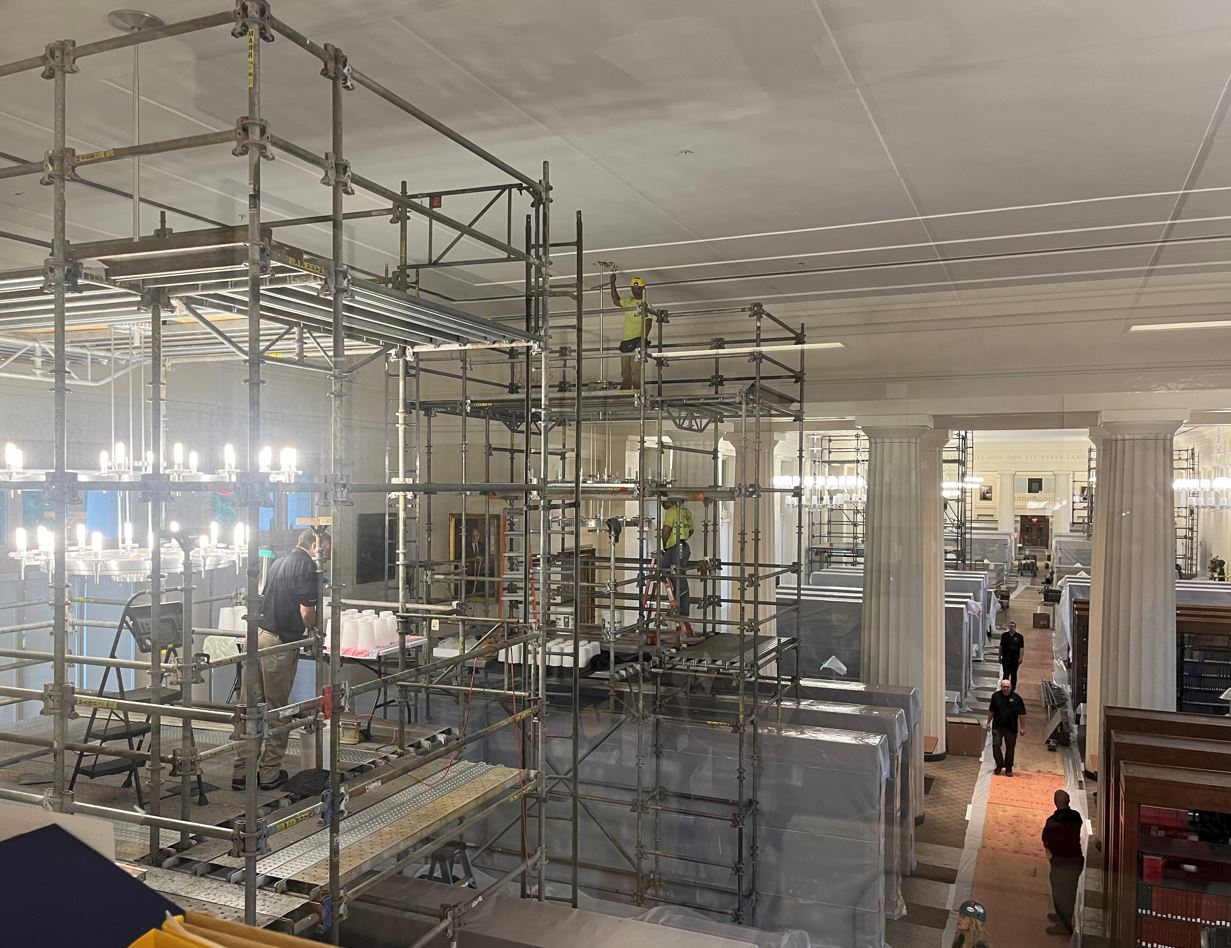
x: 934, y: 439
x: 896, y: 427
x: 1138, y: 424
x: 880, y: 422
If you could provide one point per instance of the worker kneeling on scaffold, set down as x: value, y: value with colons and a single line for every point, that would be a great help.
x: 637, y: 323
x: 673, y: 560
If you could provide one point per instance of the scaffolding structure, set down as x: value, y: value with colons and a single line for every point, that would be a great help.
x: 630, y: 651
x: 1186, y: 469
x: 1083, y: 510
x: 957, y: 463
x: 298, y: 863
x: 835, y: 497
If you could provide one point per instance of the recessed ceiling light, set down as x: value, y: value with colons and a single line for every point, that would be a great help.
x: 1163, y: 327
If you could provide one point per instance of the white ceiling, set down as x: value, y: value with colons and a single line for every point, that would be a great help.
x: 852, y: 141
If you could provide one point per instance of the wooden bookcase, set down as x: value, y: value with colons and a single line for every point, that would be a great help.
x: 1172, y: 870
x: 1158, y: 738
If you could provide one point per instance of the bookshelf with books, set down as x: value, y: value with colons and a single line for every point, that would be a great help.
x: 1172, y: 865
x: 1161, y: 738
x: 1204, y: 667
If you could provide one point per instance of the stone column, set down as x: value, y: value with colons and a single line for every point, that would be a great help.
x: 1005, y: 520
x: 1132, y: 627
x: 1062, y: 516
x: 892, y: 639
x: 933, y: 554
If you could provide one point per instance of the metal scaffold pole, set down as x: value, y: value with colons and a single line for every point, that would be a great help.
x: 251, y: 28
x: 337, y: 72
x: 58, y: 64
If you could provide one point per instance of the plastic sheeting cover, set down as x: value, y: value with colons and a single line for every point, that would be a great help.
x: 882, y: 696
x: 820, y: 821
x: 670, y: 916
x: 890, y: 722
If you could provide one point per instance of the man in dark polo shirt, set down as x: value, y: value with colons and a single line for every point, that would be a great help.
x: 1006, y: 719
x: 1012, y: 648
x: 290, y: 601
x: 1062, y: 842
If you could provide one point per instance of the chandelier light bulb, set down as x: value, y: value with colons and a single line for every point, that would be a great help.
x: 20, y: 540
x: 120, y: 453
x: 174, y: 526
x: 287, y: 458
x: 203, y: 541
x: 213, y: 532
x: 46, y: 540
x: 177, y: 454
x: 228, y: 457
x: 81, y: 537
x: 96, y: 541
x: 265, y: 458
x: 193, y: 461
x: 104, y: 462
x: 128, y: 533
x: 238, y: 535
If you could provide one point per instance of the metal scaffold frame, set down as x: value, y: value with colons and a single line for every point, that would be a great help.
x: 1186, y: 468
x: 957, y: 462
x: 636, y: 622
x: 835, y: 497
x: 289, y: 298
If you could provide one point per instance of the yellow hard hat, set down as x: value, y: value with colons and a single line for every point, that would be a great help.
x: 637, y: 281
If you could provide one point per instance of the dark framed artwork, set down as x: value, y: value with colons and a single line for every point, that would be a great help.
x: 375, y: 548
x: 475, y: 547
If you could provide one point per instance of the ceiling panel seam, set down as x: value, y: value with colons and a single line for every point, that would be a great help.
x: 910, y: 194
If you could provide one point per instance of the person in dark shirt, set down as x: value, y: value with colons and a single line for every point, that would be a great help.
x: 1062, y: 842
x: 290, y: 601
x: 1012, y: 649
x: 1006, y: 719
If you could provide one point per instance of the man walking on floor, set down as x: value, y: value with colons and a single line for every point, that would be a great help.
x: 289, y: 600
x: 637, y: 323
x: 1012, y: 649
x: 1062, y: 842
x: 1006, y: 719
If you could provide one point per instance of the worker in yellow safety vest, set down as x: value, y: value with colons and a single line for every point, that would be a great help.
x: 637, y: 322
x: 673, y: 560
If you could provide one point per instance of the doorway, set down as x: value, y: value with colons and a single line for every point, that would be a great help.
x: 1034, y: 531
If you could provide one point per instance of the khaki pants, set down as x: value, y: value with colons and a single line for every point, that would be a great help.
x: 274, y: 688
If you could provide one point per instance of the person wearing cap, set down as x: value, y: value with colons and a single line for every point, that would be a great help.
x: 637, y: 323
x: 676, y: 529
x: 1062, y: 843
x: 971, y: 917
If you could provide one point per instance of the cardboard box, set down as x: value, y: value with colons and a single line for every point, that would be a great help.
x: 965, y: 737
